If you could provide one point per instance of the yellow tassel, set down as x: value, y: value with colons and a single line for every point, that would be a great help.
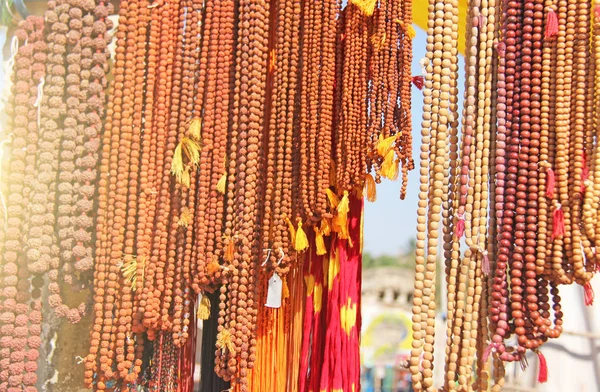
x: 410, y: 31
x: 195, y: 129
x: 204, y: 308
x: 378, y: 42
x: 371, y: 188
x: 191, y: 150
x: 185, y: 178
x: 128, y: 266
x: 285, y: 290
x: 408, y: 28
x: 342, y: 215
x: 185, y: 218
x: 292, y: 231
x: 301, y: 243
x: 389, y: 168
x: 319, y: 242
x: 366, y: 6
x: 221, y: 184
x: 325, y: 227
x: 385, y: 145
x: 225, y: 341
x: 334, y: 200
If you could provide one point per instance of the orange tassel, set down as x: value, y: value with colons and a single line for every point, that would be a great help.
x: 371, y: 188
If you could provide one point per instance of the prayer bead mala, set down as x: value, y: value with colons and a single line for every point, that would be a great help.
x: 20, y: 324
x: 525, y: 135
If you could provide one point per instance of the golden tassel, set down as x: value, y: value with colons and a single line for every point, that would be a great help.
x: 204, y: 308
x: 221, y: 184
x: 195, y: 129
x: 301, y: 242
x: 334, y: 200
x: 225, y: 341
x: 384, y: 145
x: 366, y: 6
x: 285, y: 290
x: 371, y: 188
x: 389, y: 168
x: 408, y: 28
x: 292, y: 231
x: 319, y: 242
x: 185, y: 218
x: 325, y: 227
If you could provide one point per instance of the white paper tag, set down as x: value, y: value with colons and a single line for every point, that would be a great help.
x: 274, y: 292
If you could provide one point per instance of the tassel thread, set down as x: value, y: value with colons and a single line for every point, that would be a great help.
x: 588, y: 294
x: 418, y: 81
x: 550, y: 183
x: 222, y: 183
x: 558, y: 223
x: 301, y: 242
x: 543, y: 371
x: 371, y: 188
x: 460, y: 226
x: 551, y: 24
x: 485, y: 263
x: 204, y: 308
x: 319, y: 242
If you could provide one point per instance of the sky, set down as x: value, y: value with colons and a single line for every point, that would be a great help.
x: 390, y: 223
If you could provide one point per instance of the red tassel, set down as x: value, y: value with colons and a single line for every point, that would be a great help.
x: 487, y: 352
x: 588, y: 294
x: 543, y: 373
x: 550, y: 183
x: 485, y: 264
x: 558, y: 224
x: 418, y: 81
x: 501, y: 49
x: 481, y: 21
x: 551, y: 24
x: 460, y: 227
